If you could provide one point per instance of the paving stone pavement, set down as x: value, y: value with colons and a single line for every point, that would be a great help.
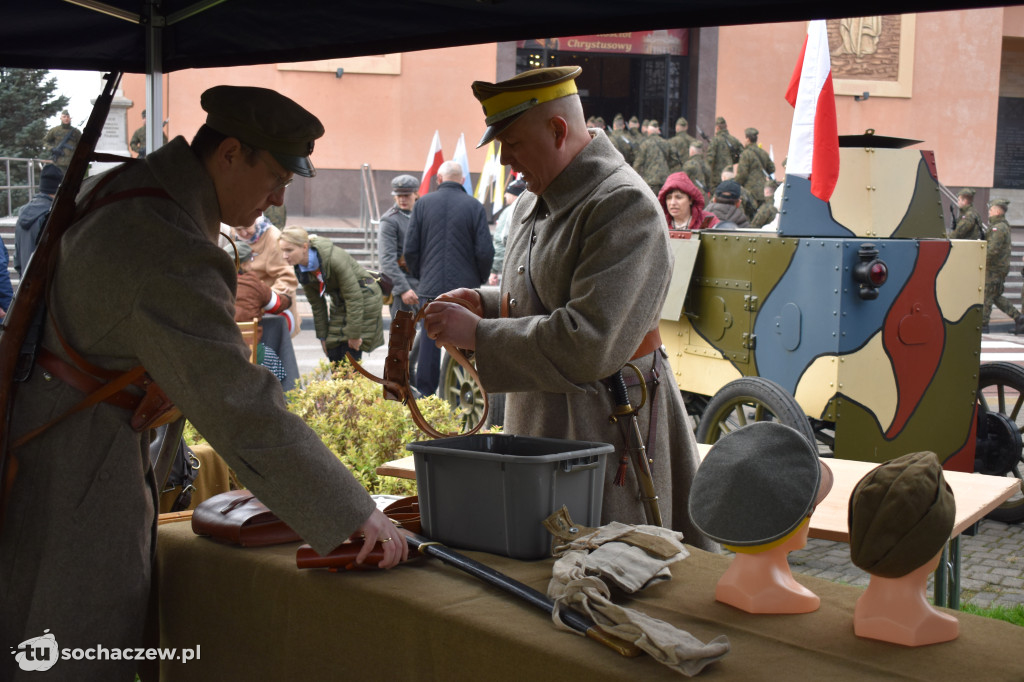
x: 991, y: 564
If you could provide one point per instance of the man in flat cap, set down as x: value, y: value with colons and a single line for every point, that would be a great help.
x: 968, y: 224
x: 587, y: 267
x: 60, y: 141
x: 754, y: 167
x: 394, y: 225
x: 724, y: 150
x: 141, y: 281
x: 997, y: 266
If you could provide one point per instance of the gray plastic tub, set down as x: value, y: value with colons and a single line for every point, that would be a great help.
x: 491, y: 492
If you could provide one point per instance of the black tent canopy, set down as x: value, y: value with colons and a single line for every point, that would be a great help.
x: 147, y: 36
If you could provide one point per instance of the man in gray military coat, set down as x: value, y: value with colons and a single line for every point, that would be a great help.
x: 586, y: 272
x: 140, y: 280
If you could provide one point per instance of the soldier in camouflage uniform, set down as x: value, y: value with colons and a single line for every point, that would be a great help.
x: 621, y: 138
x: 60, y: 141
x: 997, y: 265
x: 724, y: 150
x: 697, y: 168
x: 754, y: 167
x: 681, y: 142
x: 766, y: 212
x: 968, y: 225
x: 634, y: 132
x: 654, y: 157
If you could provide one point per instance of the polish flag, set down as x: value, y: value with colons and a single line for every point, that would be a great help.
x: 462, y: 158
x: 814, y: 139
x: 434, y: 161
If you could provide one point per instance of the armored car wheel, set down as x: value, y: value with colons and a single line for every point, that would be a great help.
x: 748, y: 400
x: 465, y: 395
x: 999, y: 450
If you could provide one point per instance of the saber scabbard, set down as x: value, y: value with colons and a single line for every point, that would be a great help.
x: 635, y: 443
x: 570, y: 617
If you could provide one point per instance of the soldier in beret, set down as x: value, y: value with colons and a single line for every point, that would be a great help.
x: 587, y: 268
x: 142, y: 281
x: 968, y: 224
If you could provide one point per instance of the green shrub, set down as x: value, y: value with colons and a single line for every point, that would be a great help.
x: 350, y: 415
x: 352, y: 418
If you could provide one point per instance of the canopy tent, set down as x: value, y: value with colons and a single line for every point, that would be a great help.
x: 159, y: 36
x: 140, y: 36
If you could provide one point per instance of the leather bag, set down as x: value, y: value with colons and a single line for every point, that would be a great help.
x: 404, y: 512
x: 238, y: 518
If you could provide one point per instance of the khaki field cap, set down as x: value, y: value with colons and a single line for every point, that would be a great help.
x: 264, y: 119
x: 965, y: 192
x: 901, y: 514
x: 1001, y: 203
x: 750, y: 132
x: 757, y: 485
x: 720, y: 121
x: 506, y: 101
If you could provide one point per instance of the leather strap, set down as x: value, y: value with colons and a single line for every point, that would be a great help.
x: 650, y: 343
x: 76, y: 378
x: 396, y: 372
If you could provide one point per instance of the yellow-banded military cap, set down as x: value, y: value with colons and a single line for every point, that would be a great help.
x: 264, y: 119
x: 506, y: 101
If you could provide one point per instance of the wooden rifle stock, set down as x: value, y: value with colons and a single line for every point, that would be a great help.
x: 29, y: 298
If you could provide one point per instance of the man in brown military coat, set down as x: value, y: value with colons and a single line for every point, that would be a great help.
x: 142, y: 281
x: 587, y: 269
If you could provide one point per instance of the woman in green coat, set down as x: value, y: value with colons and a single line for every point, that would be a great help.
x: 353, y: 321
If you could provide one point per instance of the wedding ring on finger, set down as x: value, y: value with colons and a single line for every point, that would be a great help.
x: 385, y: 540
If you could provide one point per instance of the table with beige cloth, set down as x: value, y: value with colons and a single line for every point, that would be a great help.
x: 255, y: 616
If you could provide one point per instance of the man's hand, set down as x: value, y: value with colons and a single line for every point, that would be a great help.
x: 410, y: 298
x: 378, y: 528
x: 493, y: 279
x: 354, y: 344
x: 447, y: 322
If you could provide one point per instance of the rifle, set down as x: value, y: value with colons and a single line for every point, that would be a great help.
x: 701, y: 132
x: 27, y: 307
x: 952, y: 218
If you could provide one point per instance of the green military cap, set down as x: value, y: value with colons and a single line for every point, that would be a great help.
x: 507, y: 100
x: 697, y: 144
x: 750, y: 132
x: 599, y: 122
x: 965, y: 192
x: 719, y: 121
x: 900, y: 515
x: 682, y: 122
x: 1001, y: 203
x: 618, y: 117
x: 634, y: 119
x: 653, y: 123
x: 65, y: 113
x: 757, y: 484
x: 264, y: 119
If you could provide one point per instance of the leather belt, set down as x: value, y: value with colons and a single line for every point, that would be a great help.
x: 651, y: 342
x: 78, y: 379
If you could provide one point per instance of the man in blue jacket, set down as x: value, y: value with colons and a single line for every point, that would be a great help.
x: 448, y: 246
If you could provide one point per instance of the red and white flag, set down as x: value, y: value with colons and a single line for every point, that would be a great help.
x: 434, y: 161
x: 814, y: 139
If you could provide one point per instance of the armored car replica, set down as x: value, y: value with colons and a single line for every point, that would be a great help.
x: 857, y: 322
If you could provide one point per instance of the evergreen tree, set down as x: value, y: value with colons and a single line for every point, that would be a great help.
x: 27, y: 100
